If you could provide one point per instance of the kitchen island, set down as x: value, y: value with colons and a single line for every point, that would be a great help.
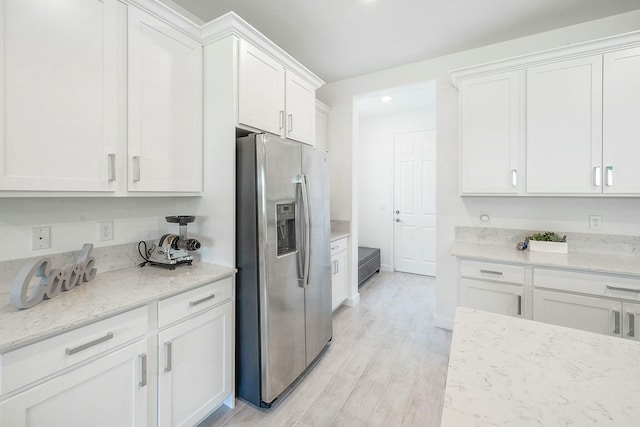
x: 507, y: 371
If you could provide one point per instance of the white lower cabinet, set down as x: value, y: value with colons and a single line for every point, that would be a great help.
x: 109, y: 391
x: 195, y: 372
x: 338, y: 272
x: 494, y: 287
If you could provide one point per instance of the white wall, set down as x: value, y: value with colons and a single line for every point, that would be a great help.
x: 619, y: 215
x: 375, y: 175
x: 74, y: 221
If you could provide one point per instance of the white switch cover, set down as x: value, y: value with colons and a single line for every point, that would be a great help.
x: 595, y: 222
x: 41, y: 238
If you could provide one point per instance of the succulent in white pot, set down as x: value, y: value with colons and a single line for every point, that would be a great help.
x: 548, y: 242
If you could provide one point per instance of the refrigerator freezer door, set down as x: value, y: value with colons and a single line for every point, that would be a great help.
x: 318, y: 292
x: 282, y: 301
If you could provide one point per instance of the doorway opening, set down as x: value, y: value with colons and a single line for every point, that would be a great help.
x: 395, y: 160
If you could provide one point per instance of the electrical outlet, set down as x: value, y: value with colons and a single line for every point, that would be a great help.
x: 41, y: 238
x: 595, y: 222
x: 105, y: 231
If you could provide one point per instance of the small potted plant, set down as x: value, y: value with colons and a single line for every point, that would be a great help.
x: 548, y: 242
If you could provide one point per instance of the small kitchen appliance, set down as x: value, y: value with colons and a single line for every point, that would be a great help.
x: 172, y: 249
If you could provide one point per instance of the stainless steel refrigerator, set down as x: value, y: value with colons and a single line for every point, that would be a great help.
x: 283, y: 287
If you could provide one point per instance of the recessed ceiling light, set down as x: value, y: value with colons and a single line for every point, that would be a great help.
x: 386, y: 98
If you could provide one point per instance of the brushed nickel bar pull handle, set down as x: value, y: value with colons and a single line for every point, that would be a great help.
x: 112, y: 167
x: 615, y: 288
x: 168, y: 352
x: 519, y: 305
x: 616, y: 322
x: 497, y: 273
x: 290, y: 122
x: 90, y: 344
x: 136, y: 168
x: 143, y: 370
x: 632, y: 325
x: 597, y: 176
x: 514, y: 178
x: 609, y: 176
x: 200, y: 301
x: 281, y: 119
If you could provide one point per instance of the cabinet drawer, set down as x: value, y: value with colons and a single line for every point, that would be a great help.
x: 172, y: 309
x: 492, y: 271
x: 602, y: 285
x: 339, y: 246
x: 33, y: 362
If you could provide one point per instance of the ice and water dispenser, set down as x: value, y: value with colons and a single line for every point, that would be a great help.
x: 286, y: 220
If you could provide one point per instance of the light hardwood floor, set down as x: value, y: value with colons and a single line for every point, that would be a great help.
x: 386, y: 365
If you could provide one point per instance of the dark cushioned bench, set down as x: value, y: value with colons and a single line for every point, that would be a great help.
x: 368, y: 263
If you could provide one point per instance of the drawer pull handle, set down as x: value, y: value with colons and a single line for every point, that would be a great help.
x: 90, y: 344
x: 497, y: 273
x: 169, y: 353
x: 615, y: 288
x: 143, y: 370
x: 200, y: 301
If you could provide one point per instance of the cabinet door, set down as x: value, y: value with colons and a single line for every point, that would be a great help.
x: 491, y: 134
x: 59, y: 94
x: 621, y: 124
x: 576, y: 311
x: 110, y: 391
x: 196, y: 367
x: 300, y: 101
x: 165, y: 107
x: 564, y: 127
x: 338, y: 279
x: 260, y: 90
x: 631, y: 321
x: 494, y: 297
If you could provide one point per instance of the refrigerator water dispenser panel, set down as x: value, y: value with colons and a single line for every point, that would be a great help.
x: 286, y: 217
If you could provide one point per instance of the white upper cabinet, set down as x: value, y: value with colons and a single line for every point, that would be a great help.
x: 165, y: 107
x: 564, y: 127
x: 301, y: 109
x: 273, y: 99
x: 59, y: 94
x: 261, y: 90
x: 621, y: 122
x: 491, y: 134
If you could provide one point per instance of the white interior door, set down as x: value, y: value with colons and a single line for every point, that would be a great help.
x: 415, y: 202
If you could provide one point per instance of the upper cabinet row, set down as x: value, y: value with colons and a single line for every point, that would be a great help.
x: 98, y: 96
x: 274, y: 99
x: 558, y: 127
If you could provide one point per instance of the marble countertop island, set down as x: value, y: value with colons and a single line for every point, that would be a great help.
x: 506, y: 371
x: 108, y: 294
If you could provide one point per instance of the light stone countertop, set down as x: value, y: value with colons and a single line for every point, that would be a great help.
x: 108, y: 294
x: 593, y: 262
x: 505, y: 371
x: 337, y: 235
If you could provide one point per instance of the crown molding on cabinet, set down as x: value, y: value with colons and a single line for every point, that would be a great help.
x: 165, y: 13
x: 594, y: 47
x: 232, y: 24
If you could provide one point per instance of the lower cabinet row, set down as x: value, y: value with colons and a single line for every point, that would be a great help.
x: 604, y: 304
x: 173, y: 377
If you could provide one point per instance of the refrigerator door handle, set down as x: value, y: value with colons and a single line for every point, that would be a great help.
x: 304, y: 280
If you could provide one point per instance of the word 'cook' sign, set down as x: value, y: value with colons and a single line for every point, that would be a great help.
x: 52, y: 281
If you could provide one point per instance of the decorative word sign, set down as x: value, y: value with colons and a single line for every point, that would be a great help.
x: 52, y: 281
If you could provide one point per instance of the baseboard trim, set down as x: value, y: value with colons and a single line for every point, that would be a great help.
x: 353, y: 301
x: 443, y: 322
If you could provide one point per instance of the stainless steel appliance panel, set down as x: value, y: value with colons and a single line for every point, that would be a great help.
x: 319, y: 315
x: 282, y: 299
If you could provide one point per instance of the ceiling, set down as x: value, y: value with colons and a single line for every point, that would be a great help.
x: 337, y: 39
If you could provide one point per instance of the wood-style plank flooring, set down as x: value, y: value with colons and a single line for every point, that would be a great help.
x: 386, y: 365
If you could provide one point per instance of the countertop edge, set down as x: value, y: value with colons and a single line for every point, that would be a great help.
x: 338, y: 236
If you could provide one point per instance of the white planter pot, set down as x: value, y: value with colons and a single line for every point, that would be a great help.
x: 551, y: 247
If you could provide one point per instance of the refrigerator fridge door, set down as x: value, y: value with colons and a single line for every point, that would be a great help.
x: 282, y: 299
x: 318, y: 291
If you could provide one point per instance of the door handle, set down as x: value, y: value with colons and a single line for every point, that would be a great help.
x: 597, y: 176
x: 143, y: 370
x: 290, y: 122
x: 609, y: 176
x: 305, y: 257
x: 397, y: 211
x: 397, y: 219
x: 136, y: 168
x: 519, y: 305
x: 632, y: 325
x: 169, y: 352
x: 616, y: 322
x: 514, y: 178
x: 281, y: 119
x: 112, y: 167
